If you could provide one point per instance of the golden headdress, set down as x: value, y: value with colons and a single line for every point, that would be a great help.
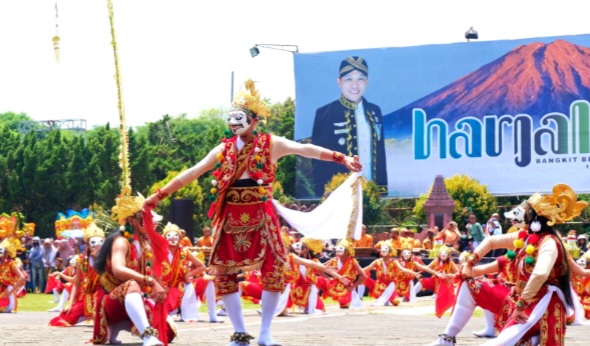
x: 446, y: 249
x: 93, y: 231
x: 170, y: 227
x: 348, y: 245
x: 559, y: 207
x: 9, y: 247
x: 314, y: 245
x: 249, y: 102
x: 126, y: 205
x: 287, y: 241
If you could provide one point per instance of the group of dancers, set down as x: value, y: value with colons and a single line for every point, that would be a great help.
x: 134, y: 278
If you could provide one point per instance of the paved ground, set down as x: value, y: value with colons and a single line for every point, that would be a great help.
x: 407, y: 324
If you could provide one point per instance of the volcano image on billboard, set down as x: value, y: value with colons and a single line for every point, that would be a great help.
x: 513, y: 114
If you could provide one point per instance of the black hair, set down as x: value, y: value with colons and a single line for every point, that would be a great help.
x: 100, y: 264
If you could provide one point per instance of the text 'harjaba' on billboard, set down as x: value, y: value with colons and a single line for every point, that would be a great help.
x: 513, y: 114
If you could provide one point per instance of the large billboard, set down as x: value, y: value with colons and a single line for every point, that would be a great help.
x: 513, y: 114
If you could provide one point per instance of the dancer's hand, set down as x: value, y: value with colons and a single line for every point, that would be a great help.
x: 151, y: 201
x: 520, y: 316
x: 467, y: 272
x: 158, y: 292
x: 353, y: 163
x: 344, y: 280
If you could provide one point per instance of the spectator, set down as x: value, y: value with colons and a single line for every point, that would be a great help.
x: 428, y: 242
x: 64, y: 249
x: 36, y: 259
x: 451, y: 235
x: 49, y: 254
x: 475, y: 230
x: 465, y: 242
x: 206, y: 240
x: 494, y: 228
x: 366, y: 240
x: 583, y: 242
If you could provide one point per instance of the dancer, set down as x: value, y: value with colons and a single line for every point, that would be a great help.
x: 405, y: 282
x: 304, y: 292
x: 125, y: 265
x: 245, y: 225
x: 176, y: 276
x: 387, y: 269
x: 542, y: 290
x: 349, y: 268
x: 11, y: 277
x: 86, y: 283
x: 61, y: 281
x: 442, y: 284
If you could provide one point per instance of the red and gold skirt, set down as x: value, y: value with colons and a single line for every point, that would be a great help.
x: 245, y: 231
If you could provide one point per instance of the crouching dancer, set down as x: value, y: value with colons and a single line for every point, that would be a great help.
x: 132, y: 296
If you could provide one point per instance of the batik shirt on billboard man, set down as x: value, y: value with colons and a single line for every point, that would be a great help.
x: 351, y: 125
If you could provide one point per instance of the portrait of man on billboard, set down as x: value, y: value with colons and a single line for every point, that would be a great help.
x: 351, y: 125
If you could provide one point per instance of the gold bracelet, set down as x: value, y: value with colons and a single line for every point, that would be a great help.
x: 161, y: 194
x: 338, y: 157
x: 148, y: 281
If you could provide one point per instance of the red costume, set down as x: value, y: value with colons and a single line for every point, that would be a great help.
x: 302, y: 287
x: 85, y: 300
x: 173, y: 273
x: 245, y: 226
x: 553, y: 321
x: 403, y: 281
x: 110, y: 306
x: 333, y: 288
x: 385, y: 273
x: 7, y: 278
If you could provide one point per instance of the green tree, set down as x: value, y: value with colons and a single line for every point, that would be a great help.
x: 12, y: 120
x: 469, y: 196
x: 192, y: 191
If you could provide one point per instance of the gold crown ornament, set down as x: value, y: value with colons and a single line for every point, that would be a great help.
x: 126, y: 205
x: 249, y: 102
x: 93, y: 231
x: 560, y: 206
x: 9, y: 247
x: 446, y: 249
x: 287, y: 241
x: 170, y: 227
x: 314, y: 245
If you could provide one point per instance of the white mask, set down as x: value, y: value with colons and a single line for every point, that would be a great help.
x: 2, y: 251
x: 517, y: 214
x: 339, y: 250
x: 444, y: 255
x: 582, y: 262
x: 297, y: 248
x: 73, y: 261
x: 406, y: 254
x: 173, y: 238
x: 385, y: 250
x: 238, y: 122
x: 95, y: 243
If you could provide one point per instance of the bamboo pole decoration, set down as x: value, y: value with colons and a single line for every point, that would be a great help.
x: 124, y: 147
x: 55, y: 39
